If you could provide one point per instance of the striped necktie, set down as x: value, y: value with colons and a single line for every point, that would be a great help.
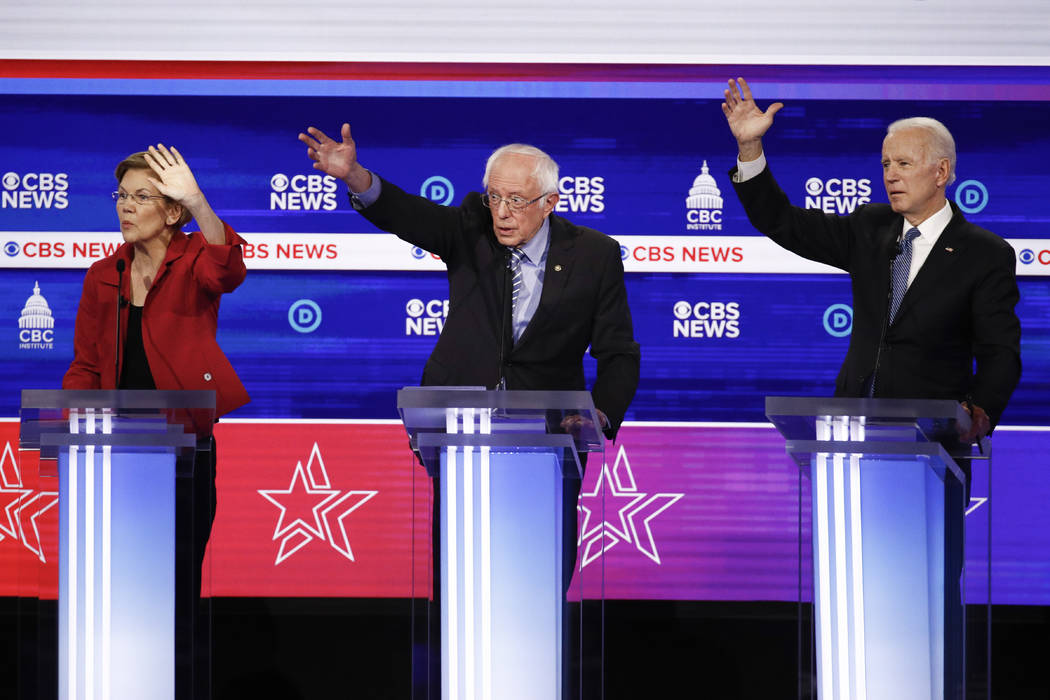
x: 901, y: 269
x: 516, y: 256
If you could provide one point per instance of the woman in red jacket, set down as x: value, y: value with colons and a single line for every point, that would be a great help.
x: 166, y: 285
x: 169, y: 294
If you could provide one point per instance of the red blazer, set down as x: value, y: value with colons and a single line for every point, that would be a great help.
x: 179, y: 320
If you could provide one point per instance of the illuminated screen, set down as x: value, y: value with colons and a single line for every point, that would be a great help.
x: 334, y: 317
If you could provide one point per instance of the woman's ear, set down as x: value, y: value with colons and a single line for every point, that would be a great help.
x: 173, y: 212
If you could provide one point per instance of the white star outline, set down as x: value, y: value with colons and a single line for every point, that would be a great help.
x: 298, y: 533
x: 12, y: 522
x: 605, y: 535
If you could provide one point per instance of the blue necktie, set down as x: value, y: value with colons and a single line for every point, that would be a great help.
x: 516, y: 284
x: 901, y: 268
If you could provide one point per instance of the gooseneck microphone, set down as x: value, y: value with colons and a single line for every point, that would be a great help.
x: 120, y: 305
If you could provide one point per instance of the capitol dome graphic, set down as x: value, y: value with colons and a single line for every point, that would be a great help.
x: 36, y: 314
x: 704, y: 194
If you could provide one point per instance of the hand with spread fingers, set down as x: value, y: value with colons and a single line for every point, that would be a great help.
x: 747, y: 122
x: 336, y: 158
x: 175, y: 180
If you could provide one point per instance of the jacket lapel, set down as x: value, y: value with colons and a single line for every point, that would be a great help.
x: 940, y: 260
x: 556, y: 273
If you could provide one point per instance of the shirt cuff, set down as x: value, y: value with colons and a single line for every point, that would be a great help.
x: 360, y: 200
x: 745, y: 170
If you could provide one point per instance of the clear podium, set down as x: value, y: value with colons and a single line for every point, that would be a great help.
x: 887, y: 542
x: 116, y: 460
x: 499, y: 460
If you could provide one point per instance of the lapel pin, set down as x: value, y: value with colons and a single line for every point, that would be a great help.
x: 557, y: 268
x: 950, y: 250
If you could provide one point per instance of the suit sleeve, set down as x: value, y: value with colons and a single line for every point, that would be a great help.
x: 996, y: 334
x: 219, y: 269
x: 824, y: 238
x: 85, y: 371
x: 613, y: 344
x: 433, y: 227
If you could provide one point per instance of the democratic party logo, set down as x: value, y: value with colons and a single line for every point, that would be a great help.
x: 438, y: 189
x: 34, y: 190
x: 837, y: 195
x: 310, y: 509
x: 21, y: 508
x: 618, y: 510
x: 425, y: 317
x: 304, y: 315
x: 706, y: 319
x: 838, y: 320
x: 581, y: 194
x: 313, y: 192
x: 971, y: 196
x: 36, y: 325
x: 704, y: 203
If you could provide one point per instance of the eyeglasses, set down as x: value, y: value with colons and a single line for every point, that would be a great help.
x: 514, y: 202
x: 139, y: 197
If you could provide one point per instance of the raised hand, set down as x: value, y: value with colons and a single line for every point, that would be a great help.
x: 174, y: 177
x: 338, y: 159
x: 176, y: 181
x: 747, y: 122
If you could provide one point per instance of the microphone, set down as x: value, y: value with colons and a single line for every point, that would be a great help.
x: 120, y: 305
x: 894, y: 252
x: 504, y: 312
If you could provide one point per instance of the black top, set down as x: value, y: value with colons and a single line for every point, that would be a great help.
x: 135, y: 374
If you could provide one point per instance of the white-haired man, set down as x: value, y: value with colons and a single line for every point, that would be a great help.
x: 933, y: 295
x: 572, y: 294
x: 954, y: 304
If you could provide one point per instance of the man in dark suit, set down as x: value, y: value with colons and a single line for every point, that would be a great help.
x: 933, y: 295
x: 569, y: 296
x: 572, y: 292
x: 956, y: 297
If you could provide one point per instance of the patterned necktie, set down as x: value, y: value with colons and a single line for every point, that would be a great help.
x: 901, y: 269
x: 516, y: 256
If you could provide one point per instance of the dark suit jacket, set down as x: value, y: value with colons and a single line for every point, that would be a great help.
x: 583, y: 304
x: 179, y: 320
x: 959, y: 308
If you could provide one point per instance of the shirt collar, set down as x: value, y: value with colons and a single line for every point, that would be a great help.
x: 536, y: 247
x: 931, y: 229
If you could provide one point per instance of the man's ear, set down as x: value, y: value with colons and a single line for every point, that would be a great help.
x: 550, y: 202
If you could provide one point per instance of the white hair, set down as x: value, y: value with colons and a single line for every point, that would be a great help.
x: 545, y: 173
x: 939, y: 142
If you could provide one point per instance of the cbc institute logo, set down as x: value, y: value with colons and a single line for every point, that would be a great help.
x: 704, y: 203
x: 36, y: 325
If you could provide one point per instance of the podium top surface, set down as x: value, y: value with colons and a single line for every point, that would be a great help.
x: 935, y: 420
x: 45, y: 412
x: 569, y: 413
x: 42, y: 399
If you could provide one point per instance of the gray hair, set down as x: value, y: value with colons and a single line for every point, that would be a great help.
x: 545, y: 173
x: 940, y: 143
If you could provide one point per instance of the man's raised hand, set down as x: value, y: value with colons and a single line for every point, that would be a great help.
x: 747, y: 122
